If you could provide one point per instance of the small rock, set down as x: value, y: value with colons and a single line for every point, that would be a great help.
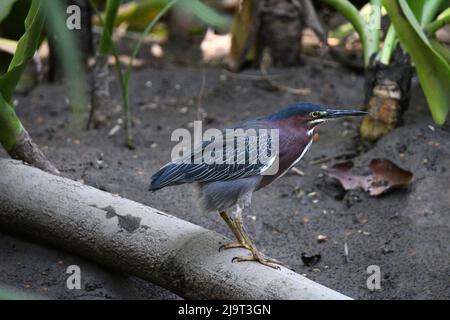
x: 386, y: 250
x: 310, y: 260
x: 184, y: 110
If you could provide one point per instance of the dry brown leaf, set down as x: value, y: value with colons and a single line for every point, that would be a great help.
x: 385, y: 176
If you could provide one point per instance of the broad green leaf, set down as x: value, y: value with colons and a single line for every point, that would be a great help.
x: 433, y: 71
x: 26, y: 47
x: 412, y: 20
x: 441, y: 49
x: 5, y: 8
x: 425, y: 10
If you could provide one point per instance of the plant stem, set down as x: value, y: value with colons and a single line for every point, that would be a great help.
x: 349, y: 11
x: 443, y: 19
x: 69, y: 55
x: 441, y: 49
x: 126, y: 79
x: 10, y: 126
x: 17, y: 142
x: 374, y: 26
x: 143, y: 36
x: 425, y: 11
x: 112, y: 7
x: 390, y: 43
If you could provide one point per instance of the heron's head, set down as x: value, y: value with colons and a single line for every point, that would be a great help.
x: 310, y: 115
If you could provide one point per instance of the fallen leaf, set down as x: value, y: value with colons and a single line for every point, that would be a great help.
x: 349, y: 181
x: 385, y: 175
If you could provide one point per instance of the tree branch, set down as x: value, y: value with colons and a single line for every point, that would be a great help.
x: 138, y: 240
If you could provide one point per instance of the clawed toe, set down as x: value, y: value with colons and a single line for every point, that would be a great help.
x: 244, y: 241
x: 262, y: 260
x: 234, y: 246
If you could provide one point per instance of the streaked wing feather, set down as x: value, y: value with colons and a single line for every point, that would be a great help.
x: 183, y: 170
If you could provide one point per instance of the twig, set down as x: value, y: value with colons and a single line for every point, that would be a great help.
x: 297, y: 171
x: 324, y: 62
x: 255, y: 77
x: 346, y: 252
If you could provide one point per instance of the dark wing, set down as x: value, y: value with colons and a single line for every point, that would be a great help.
x: 221, y: 161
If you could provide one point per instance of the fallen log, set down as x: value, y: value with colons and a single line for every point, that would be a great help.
x: 137, y: 239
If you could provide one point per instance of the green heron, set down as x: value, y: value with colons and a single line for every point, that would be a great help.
x: 229, y: 185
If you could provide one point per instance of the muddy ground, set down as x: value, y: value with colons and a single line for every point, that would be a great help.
x: 406, y: 232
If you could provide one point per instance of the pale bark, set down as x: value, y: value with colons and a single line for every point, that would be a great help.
x: 25, y: 149
x: 138, y: 240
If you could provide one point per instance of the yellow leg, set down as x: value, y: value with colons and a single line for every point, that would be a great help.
x: 256, y: 255
x: 231, y: 224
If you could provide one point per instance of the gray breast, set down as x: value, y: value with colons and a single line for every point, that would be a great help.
x: 222, y: 195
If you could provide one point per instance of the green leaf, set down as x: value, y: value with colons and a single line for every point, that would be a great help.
x: 349, y: 11
x: 442, y: 20
x: 70, y: 57
x: 5, y: 8
x: 390, y: 44
x: 425, y: 10
x: 112, y: 8
x: 26, y: 47
x: 433, y: 71
x: 205, y: 13
x: 10, y: 126
x: 441, y: 49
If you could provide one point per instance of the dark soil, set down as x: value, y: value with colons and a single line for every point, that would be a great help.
x: 405, y: 232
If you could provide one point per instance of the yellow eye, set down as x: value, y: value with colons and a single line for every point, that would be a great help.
x: 315, y: 114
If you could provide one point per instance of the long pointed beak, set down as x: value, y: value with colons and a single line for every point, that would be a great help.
x: 332, y: 114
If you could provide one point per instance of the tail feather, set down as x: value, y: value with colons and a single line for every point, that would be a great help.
x: 161, y: 178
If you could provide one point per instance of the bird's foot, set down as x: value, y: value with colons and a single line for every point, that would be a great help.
x: 258, y: 257
x: 235, y: 246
